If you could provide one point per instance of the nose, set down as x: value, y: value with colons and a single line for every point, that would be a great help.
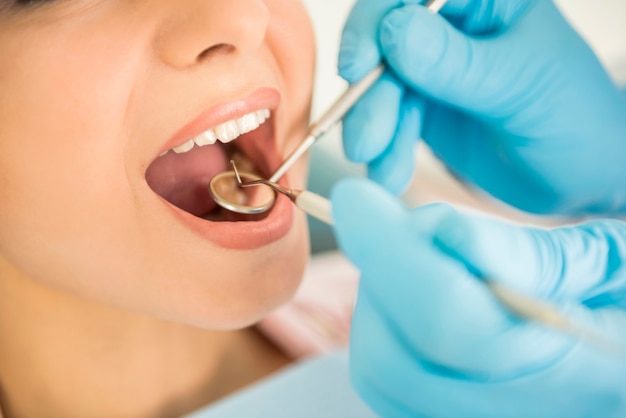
x: 196, y: 30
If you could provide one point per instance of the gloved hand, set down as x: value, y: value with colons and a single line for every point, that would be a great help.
x: 505, y: 93
x: 428, y: 338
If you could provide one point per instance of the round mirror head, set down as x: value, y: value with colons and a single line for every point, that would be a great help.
x: 226, y: 191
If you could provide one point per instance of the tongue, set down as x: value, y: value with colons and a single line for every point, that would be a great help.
x: 183, y: 179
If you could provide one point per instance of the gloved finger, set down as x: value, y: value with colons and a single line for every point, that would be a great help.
x: 359, y: 50
x: 431, y: 55
x: 456, y: 322
x: 576, y: 263
x: 394, y: 168
x: 572, y: 267
x: 446, y: 312
x: 393, y: 378
x: 369, y: 126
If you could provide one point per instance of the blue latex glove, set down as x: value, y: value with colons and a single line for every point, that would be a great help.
x: 505, y: 93
x: 429, y: 339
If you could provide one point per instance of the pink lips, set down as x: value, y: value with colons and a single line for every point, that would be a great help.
x: 242, y: 235
x: 265, y: 98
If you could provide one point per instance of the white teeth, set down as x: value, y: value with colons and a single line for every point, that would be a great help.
x: 184, y: 148
x: 226, y: 132
x: 260, y: 115
x: 206, y: 138
x: 248, y: 123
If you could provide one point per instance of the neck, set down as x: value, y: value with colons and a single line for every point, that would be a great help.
x: 68, y: 357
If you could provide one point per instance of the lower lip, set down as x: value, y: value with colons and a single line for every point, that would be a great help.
x: 243, y: 235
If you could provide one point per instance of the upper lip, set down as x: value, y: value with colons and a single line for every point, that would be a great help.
x: 263, y: 98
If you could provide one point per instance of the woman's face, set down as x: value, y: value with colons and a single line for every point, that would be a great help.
x: 93, y: 92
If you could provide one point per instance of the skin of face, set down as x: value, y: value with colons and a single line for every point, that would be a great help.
x: 89, y: 93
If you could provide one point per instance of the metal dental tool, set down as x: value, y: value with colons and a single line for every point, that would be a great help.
x: 225, y: 181
x: 311, y: 203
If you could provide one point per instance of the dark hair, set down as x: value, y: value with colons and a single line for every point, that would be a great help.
x: 15, y: 4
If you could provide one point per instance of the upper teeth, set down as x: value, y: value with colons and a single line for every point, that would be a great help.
x: 226, y: 132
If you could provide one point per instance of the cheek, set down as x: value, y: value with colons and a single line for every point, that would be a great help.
x: 62, y: 103
x: 60, y: 136
x: 291, y: 39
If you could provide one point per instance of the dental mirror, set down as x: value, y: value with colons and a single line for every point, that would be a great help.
x: 226, y: 191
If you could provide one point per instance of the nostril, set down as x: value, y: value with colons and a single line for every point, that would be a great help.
x: 188, y: 36
x: 219, y: 49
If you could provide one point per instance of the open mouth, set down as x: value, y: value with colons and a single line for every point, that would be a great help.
x: 181, y: 175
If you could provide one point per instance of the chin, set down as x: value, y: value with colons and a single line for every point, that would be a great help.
x: 249, y: 296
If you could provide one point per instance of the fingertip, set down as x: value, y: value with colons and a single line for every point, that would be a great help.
x: 412, y: 38
x: 368, y: 128
x: 396, y: 180
x: 395, y: 168
x: 357, y: 57
x: 392, y: 29
x: 358, y: 51
x: 359, y: 146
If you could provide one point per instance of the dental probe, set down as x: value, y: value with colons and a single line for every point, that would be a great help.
x: 309, y: 202
x: 534, y: 309
x: 330, y: 118
x: 339, y: 109
x: 333, y: 115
